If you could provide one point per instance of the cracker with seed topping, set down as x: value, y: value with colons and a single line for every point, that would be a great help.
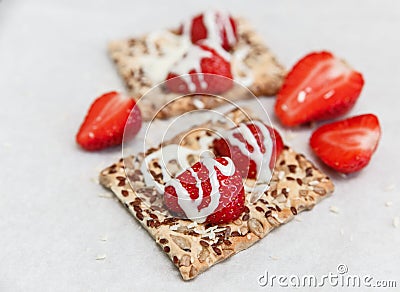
x: 144, y: 62
x: 296, y: 185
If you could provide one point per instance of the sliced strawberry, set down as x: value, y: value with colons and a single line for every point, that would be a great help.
x: 231, y: 193
x: 215, y: 26
x: 200, y: 59
x: 320, y: 86
x: 105, y: 122
x: 189, y: 183
x: 347, y: 145
x: 247, y: 166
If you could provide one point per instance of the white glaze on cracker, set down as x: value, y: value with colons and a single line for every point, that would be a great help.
x: 142, y: 63
x: 194, y: 247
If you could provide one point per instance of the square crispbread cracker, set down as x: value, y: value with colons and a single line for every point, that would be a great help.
x: 252, y: 63
x: 296, y: 185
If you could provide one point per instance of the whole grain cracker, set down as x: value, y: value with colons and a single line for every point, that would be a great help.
x: 266, y: 71
x: 195, y: 247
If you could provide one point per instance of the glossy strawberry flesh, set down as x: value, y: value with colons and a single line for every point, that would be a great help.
x: 319, y: 87
x: 188, y: 181
x: 246, y: 166
x: 347, y: 146
x: 231, y: 202
x: 199, y: 31
x: 105, y: 122
x: 233, y: 207
x: 217, y: 76
x: 232, y: 199
x: 243, y: 164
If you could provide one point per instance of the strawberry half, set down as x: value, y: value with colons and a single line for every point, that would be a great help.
x: 347, y: 145
x: 215, y: 26
x: 320, y: 86
x: 105, y: 122
x: 236, y: 140
x: 197, y: 183
x: 200, y: 59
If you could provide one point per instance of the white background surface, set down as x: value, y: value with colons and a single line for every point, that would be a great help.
x: 53, y: 63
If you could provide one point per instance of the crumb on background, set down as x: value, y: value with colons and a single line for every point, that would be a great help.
x: 100, y: 257
x: 388, y: 203
x: 396, y: 221
x: 105, y: 195
x: 334, y: 209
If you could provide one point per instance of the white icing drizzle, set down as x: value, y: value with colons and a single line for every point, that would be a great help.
x: 217, y: 48
x: 216, y: 22
x: 152, y: 39
x: 262, y: 160
x: 190, y: 206
x: 179, y: 153
x: 172, y: 47
x: 166, y: 154
x: 241, y: 72
x: 191, y: 61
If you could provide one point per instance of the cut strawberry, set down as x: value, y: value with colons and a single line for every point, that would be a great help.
x: 347, y: 145
x: 320, y: 86
x: 105, y: 122
x: 207, y: 181
x: 215, y: 26
x: 247, y: 156
x: 200, y: 59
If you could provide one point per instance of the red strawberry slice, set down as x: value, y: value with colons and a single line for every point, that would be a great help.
x: 231, y: 200
x: 246, y: 166
x: 320, y: 86
x: 347, y: 145
x: 200, y: 59
x: 105, y: 122
x: 215, y: 26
